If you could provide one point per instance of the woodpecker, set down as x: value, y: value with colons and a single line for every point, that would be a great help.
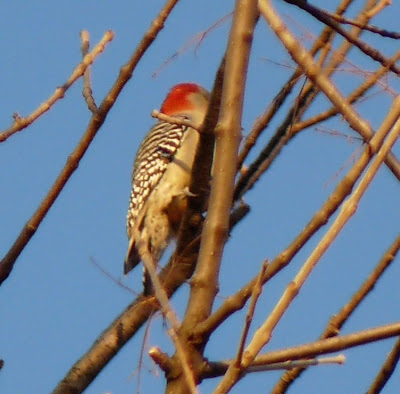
x: 161, y: 176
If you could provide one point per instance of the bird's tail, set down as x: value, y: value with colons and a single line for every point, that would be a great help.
x: 131, y: 261
x: 132, y: 257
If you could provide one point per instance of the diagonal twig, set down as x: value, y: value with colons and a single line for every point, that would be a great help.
x: 387, y: 370
x: 169, y: 314
x: 373, y: 29
x: 302, y: 57
x: 87, y: 89
x: 337, y: 321
x: 361, y: 45
x: 285, y: 132
x: 250, y: 313
x: 21, y: 123
x: 353, y: 97
x: 313, y: 349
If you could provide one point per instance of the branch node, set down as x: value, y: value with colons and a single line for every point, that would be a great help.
x: 161, y: 359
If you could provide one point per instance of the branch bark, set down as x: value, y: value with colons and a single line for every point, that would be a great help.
x: 204, y: 285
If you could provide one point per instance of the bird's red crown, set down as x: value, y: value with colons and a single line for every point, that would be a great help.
x: 178, y: 98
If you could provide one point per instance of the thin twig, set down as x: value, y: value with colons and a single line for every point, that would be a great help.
x: 250, y: 313
x: 196, y: 40
x: 141, y: 354
x: 387, y: 369
x: 114, y: 279
x: 373, y: 29
x: 306, y: 363
x: 361, y: 45
x: 313, y: 349
x: 21, y: 123
x: 173, y: 120
x: 378, y: 8
x: 87, y: 89
x: 169, y: 314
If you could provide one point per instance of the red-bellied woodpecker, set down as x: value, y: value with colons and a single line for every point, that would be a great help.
x: 161, y: 176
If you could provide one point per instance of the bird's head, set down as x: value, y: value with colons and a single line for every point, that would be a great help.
x: 188, y: 99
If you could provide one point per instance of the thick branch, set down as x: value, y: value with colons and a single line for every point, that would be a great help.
x: 228, y: 134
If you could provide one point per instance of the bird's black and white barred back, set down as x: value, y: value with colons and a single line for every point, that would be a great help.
x: 154, y: 154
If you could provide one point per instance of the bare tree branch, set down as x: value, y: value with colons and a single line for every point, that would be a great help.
x: 205, y: 281
x: 321, y: 42
x: 96, y: 121
x: 263, y: 334
x: 301, y: 56
x: 286, y: 131
x: 353, y: 97
x: 361, y: 45
x: 387, y: 370
x: 250, y: 313
x: 378, y: 8
x: 87, y: 89
x: 289, y: 365
x: 162, y: 297
x: 313, y: 349
x: 21, y: 123
x: 337, y: 321
x: 370, y: 14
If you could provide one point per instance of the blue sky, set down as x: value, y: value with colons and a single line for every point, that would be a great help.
x: 56, y: 302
